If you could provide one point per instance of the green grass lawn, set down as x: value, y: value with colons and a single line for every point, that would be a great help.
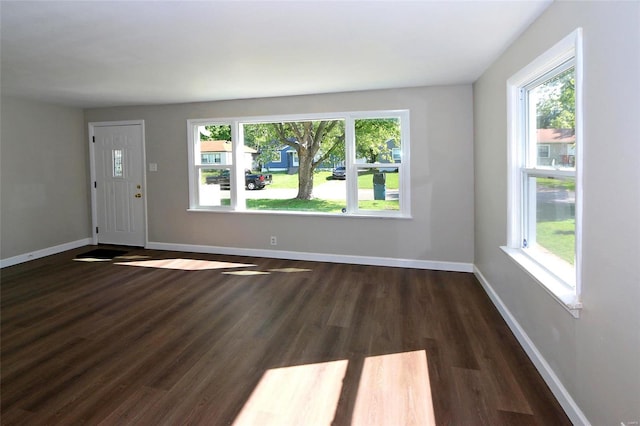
x: 558, y: 237
x: 283, y: 180
x: 365, y: 180
x: 316, y: 205
x: 568, y: 184
x: 379, y: 205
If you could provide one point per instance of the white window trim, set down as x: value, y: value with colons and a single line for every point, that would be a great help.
x: 193, y: 135
x: 569, y: 47
x: 238, y: 202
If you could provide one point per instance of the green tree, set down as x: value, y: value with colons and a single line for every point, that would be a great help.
x: 556, y: 106
x: 374, y: 137
x: 314, y: 142
x: 261, y: 138
x: 221, y: 132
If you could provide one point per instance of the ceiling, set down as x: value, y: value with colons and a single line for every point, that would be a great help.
x: 108, y: 53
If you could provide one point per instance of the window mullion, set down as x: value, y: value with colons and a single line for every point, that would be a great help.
x: 531, y: 146
x: 404, y: 197
x: 196, y: 182
x: 529, y: 212
x: 238, y: 200
x: 351, y: 169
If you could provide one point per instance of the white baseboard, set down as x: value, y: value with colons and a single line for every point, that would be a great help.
x: 317, y: 257
x: 21, y: 258
x: 570, y: 407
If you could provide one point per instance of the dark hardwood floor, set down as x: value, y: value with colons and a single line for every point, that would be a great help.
x: 177, y: 338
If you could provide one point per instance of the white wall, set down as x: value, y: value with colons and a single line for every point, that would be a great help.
x: 441, y: 165
x: 596, y: 357
x: 43, y: 176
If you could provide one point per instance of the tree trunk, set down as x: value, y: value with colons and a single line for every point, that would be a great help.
x: 305, y: 175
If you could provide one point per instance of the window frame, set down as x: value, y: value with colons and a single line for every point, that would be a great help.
x: 238, y: 200
x: 193, y: 135
x: 563, y: 55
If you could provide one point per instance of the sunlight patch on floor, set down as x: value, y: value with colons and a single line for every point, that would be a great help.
x: 299, y: 395
x: 103, y: 259
x: 132, y: 257
x: 246, y: 273
x: 186, y: 264
x: 90, y: 259
x: 289, y: 270
x: 394, y: 390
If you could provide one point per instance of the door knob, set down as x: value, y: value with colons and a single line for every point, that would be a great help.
x: 138, y: 195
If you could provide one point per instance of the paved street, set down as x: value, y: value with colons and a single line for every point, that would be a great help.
x: 555, y: 204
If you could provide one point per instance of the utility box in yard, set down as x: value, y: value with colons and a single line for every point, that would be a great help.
x: 379, y: 186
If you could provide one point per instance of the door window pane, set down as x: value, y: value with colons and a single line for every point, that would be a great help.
x: 117, y: 168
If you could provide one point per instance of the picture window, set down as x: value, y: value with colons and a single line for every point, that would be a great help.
x: 333, y: 164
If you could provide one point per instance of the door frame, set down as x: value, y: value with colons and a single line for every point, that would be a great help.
x: 92, y: 183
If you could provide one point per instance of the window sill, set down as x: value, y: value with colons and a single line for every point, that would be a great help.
x: 371, y: 215
x: 557, y: 288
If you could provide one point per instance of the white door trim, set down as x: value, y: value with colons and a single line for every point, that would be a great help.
x: 92, y: 163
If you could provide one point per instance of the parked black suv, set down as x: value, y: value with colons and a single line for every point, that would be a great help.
x: 251, y: 180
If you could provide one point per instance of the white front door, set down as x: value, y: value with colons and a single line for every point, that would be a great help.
x: 119, y: 184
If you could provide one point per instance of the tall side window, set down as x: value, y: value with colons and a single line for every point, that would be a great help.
x: 545, y: 148
x: 379, y: 172
x: 210, y: 152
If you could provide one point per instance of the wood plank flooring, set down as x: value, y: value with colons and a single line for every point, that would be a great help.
x: 176, y: 338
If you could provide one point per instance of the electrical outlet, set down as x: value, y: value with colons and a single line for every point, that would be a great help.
x: 274, y: 240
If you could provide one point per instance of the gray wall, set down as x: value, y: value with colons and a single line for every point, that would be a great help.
x: 44, y: 177
x: 44, y: 194
x: 597, y: 357
x: 441, y: 167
